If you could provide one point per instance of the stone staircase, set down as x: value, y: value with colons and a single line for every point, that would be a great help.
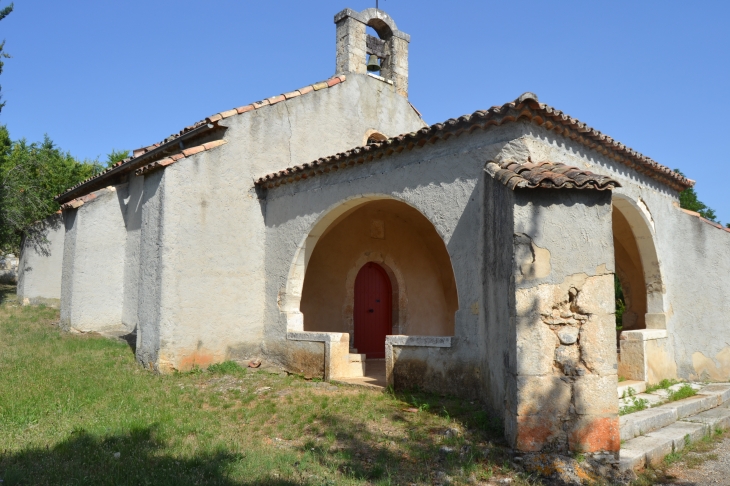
x: 355, y: 364
x: 649, y: 435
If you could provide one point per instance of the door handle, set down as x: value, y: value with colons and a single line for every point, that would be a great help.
x: 371, y: 310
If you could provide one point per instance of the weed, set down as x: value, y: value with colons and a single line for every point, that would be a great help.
x: 662, y: 385
x: 637, y: 405
x: 685, y: 391
x: 226, y: 368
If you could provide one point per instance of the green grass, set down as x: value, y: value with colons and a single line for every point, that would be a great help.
x: 77, y: 409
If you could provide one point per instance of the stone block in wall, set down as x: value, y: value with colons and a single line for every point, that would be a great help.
x: 533, y: 433
x: 531, y: 395
x: 590, y: 397
x: 536, y: 345
x: 646, y: 355
x: 598, y: 343
x: 594, y: 433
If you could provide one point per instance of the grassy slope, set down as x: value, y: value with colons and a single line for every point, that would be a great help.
x: 68, y: 403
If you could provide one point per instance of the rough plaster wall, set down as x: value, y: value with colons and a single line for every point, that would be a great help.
x: 408, y: 243
x: 318, y: 124
x: 562, y: 372
x: 150, y: 271
x: 97, y: 287
x: 630, y: 272
x: 133, y: 223
x: 498, y: 289
x: 698, y: 296
x: 444, y: 182
x: 213, y: 237
x: 41, y: 264
x: 695, y: 270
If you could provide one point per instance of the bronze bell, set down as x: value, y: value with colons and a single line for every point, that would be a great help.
x: 373, y: 65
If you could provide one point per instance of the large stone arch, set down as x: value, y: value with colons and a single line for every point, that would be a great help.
x: 292, y: 298
x: 637, y: 216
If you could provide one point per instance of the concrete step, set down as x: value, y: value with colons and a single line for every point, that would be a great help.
x: 636, y: 386
x: 649, y: 435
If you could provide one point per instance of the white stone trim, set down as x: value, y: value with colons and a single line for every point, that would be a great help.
x: 419, y: 341
x: 320, y: 337
x: 644, y: 334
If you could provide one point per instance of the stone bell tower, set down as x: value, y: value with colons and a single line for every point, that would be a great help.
x: 354, y: 45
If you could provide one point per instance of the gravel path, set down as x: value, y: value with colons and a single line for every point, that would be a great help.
x: 709, y: 472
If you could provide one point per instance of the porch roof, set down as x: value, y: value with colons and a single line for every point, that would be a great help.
x: 548, y: 175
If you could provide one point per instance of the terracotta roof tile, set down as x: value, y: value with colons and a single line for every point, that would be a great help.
x: 525, y: 108
x: 291, y: 94
x: 548, y: 175
x: 160, y: 164
x: 126, y: 164
x: 276, y: 99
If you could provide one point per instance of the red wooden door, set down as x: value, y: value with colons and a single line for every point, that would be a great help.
x: 372, y: 313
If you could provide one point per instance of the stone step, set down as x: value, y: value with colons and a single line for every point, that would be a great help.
x: 649, y: 435
x: 356, y: 358
x: 636, y: 386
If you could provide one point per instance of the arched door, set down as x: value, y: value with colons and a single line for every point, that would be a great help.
x: 372, y: 313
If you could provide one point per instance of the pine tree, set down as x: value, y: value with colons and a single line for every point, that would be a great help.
x: 688, y: 200
x: 4, y: 55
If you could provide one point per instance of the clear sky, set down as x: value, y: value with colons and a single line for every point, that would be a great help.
x: 96, y: 75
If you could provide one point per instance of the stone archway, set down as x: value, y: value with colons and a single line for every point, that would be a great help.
x: 320, y: 289
x: 645, y: 354
x: 637, y: 263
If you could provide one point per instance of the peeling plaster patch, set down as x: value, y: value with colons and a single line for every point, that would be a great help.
x: 475, y: 308
x: 707, y: 368
x: 645, y: 209
x: 533, y: 261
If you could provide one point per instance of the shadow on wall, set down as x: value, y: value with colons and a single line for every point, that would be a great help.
x: 36, y: 236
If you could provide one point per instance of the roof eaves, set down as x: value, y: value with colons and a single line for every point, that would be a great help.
x: 131, y: 163
x: 525, y: 108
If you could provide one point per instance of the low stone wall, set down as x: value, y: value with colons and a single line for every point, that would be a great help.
x: 9, y: 269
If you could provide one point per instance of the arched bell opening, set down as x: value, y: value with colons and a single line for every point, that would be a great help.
x: 405, y: 250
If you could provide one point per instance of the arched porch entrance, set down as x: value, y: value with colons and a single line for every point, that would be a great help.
x: 365, y: 250
x: 644, y: 351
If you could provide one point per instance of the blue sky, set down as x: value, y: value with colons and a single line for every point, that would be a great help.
x: 97, y: 75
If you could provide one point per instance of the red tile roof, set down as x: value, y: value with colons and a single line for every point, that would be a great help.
x: 548, y: 175
x: 162, y: 163
x: 210, y: 121
x: 526, y: 108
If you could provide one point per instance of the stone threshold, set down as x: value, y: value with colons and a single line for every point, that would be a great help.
x: 649, y: 435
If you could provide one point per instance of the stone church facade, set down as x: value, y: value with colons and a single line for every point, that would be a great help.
x: 329, y: 227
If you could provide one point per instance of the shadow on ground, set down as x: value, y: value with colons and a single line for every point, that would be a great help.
x: 85, y: 459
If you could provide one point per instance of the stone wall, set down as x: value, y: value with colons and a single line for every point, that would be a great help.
x: 9, y: 269
x: 41, y: 263
x: 92, y: 291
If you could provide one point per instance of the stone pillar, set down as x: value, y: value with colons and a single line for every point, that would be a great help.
x: 351, y: 55
x: 562, y: 376
x: 396, y: 66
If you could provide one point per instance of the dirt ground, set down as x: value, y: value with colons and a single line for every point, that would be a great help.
x: 714, y: 470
